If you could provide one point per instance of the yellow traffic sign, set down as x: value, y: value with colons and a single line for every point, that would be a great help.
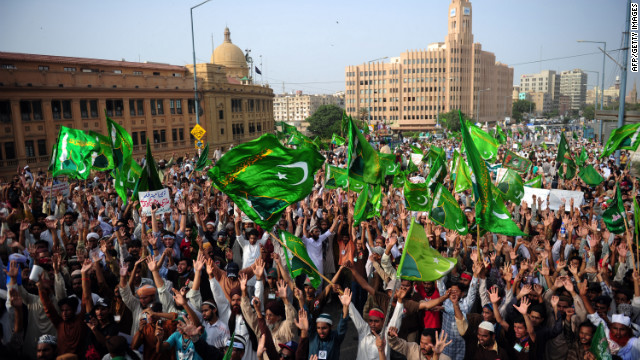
x: 198, y: 132
x: 199, y: 144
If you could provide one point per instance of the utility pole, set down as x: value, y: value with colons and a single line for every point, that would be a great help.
x: 623, y: 72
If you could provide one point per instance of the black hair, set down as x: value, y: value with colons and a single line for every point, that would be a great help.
x: 540, y: 309
x: 156, y: 307
x: 431, y: 333
x: 188, y: 260
x: 588, y: 324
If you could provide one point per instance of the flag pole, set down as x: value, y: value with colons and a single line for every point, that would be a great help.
x: 626, y: 227
x: 301, y: 259
x: 393, y: 295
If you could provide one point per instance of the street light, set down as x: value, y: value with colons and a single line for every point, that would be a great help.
x: 369, y: 107
x: 478, y: 104
x: 604, y: 56
x: 195, y: 77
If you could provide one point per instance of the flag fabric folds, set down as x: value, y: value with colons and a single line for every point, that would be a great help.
x: 626, y: 137
x: 356, y: 185
x: 421, y: 262
x: 516, y: 162
x: 362, y: 160
x: 399, y: 179
x: 336, y: 177
x: 337, y: 140
x: 288, y: 129
x: 463, y: 176
x: 564, y: 157
x: 203, y: 160
x: 590, y: 176
x: 73, y: 153
x: 536, y: 182
x: 486, y: 145
x: 437, y: 173
x: 599, y: 344
x: 582, y: 159
x: 500, y: 136
x: 388, y: 163
x: 122, y: 146
x: 510, y: 186
x: 362, y: 207
x: 446, y: 211
x: 615, y: 216
x: 149, y: 180
x: 416, y: 196
x: 299, y: 262
x: 263, y: 177
x: 102, y: 159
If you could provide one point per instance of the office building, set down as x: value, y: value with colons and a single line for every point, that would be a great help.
x: 573, y: 83
x: 294, y: 109
x: 409, y: 91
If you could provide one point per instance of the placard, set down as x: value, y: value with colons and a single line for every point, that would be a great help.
x: 555, y: 197
x: 55, y: 190
x: 160, y: 198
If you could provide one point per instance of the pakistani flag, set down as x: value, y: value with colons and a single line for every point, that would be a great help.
x: 491, y: 213
x: 421, y: 262
x: 388, y: 161
x: 263, y: 177
x: 615, y: 217
x: 356, y: 185
x: 122, y: 146
x: 437, y: 173
x: 399, y: 179
x: 453, y: 165
x: 500, y: 136
x: 626, y: 137
x: 362, y: 160
x: 435, y: 153
x: 337, y: 140
x: 300, y: 140
x: 582, y: 159
x: 417, y: 196
x: 445, y: 211
x: 54, y: 155
x: 288, y: 129
x: 516, y: 162
x: 102, y: 159
x: 590, y: 176
x: 486, y: 145
x: 149, y: 180
x: 362, y: 209
x: 510, y: 186
x: 229, y: 352
x: 544, y: 146
x: 299, y: 262
x: 536, y: 182
x: 564, y: 157
x: 336, y: 177
x: 73, y: 155
x: 415, y: 149
x: 599, y: 344
x: 203, y: 160
x: 463, y: 176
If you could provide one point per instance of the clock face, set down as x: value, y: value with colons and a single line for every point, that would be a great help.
x: 466, y: 11
x: 453, y: 12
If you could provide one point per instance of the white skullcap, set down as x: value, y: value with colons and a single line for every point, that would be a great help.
x: 621, y: 319
x: 487, y: 326
x: 93, y: 235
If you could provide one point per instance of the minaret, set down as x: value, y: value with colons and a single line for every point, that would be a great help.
x: 460, y: 24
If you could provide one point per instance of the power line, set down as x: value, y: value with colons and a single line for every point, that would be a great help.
x: 561, y: 58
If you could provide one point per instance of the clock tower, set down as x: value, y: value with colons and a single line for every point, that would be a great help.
x: 460, y: 23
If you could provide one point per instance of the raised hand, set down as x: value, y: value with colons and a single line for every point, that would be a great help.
x: 441, y: 342
x: 282, y: 289
x: 124, y: 270
x: 13, y: 270
x: 393, y: 331
x: 243, y: 278
x: 86, y: 266
x: 380, y: 342
x: 259, y: 267
x: 493, y: 295
x: 345, y: 298
x: 152, y: 264
x: 524, y: 306
x: 210, y: 267
x: 199, y: 263
x: 303, y: 321
x: 179, y: 298
x: 554, y: 301
x: 568, y: 285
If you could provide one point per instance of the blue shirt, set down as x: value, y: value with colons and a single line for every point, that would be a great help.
x: 332, y: 344
x: 184, y: 350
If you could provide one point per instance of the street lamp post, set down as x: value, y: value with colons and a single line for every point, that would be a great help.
x: 604, y: 56
x: 369, y: 107
x: 195, y: 77
x: 595, y: 106
x: 478, y: 104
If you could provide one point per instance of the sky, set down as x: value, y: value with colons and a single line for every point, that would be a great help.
x: 306, y: 45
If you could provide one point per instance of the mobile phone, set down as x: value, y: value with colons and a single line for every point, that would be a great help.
x: 159, y: 322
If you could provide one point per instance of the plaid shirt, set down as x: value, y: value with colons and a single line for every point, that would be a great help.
x: 457, y: 347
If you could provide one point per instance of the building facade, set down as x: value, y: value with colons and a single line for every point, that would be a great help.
x: 544, y: 82
x: 295, y: 109
x: 573, y: 83
x: 40, y: 93
x: 411, y: 90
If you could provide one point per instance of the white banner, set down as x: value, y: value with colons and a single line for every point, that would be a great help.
x: 160, y: 198
x: 555, y: 197
x: 416, y: 159
x: 55, y: 190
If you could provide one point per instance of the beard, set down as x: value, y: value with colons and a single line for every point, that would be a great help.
x: 236, y: 310
x: 271, y: 326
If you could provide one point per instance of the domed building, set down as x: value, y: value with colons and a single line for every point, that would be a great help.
x: 232, y: 58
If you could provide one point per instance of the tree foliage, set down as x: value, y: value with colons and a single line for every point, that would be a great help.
x: 521, y: 107
x: 451, y: 120
x: 588, y: 112
x: 325, y: 121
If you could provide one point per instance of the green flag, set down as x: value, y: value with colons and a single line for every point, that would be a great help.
x: 453, y: 165
x: 412, y: 167
x: 445, y: 211
x: 288, y: 129
x: 149, y: 179
x: 298, y: 139
x: 122, y: 146
x: 299, y: 263
x: 582, y: 159
x: 516, y: 162
x: 263, y: 177
x: 575, y: 136
x: 599, y: 344
x: 362, y: 208
x: 510, y: 186
x: 590, y: 176
x: 337, y: 140
x: 536, y: 182
x: 227, y: 354
x: 417, y: 196
x: 421, y: 262
x: 463, y: 176
x: 203, y: 160
x: 388, y: 163
x: 103, y: 158
x: 73, y: 155
x: 437, y: 173
x: 500, y: 136
x: 491, y: 214
x: 336, y: 177
x: 509, y: 133
x: 356, y: 185
x: 375, y: 199
x: 615, y: 216
x: 435, y: 153
x: 399, y: 179
x: 564, y: 157
x: 487, y: 146
x: 626, y: 137
x: 544, y: 146
x: 54, y: 156
x: 362, y: 160
x: 415, y: 149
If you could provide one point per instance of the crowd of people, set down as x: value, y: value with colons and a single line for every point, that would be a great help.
x: 89, y: 276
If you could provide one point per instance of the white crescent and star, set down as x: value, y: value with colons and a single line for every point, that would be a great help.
x: 425, y: 200
x: 300, y: 164
x: 392, y: 168
x: 500, y: 216
x: 358, y: 186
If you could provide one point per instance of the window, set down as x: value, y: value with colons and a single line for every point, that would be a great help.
x: 5, y: 111
x: 29, y: 149
x: 156, y: 136
x: 179, y: 106
x: 174, y: 135
x: 172, y: 108
x: 236, y: 105
x: 191, y: 105
x: 84, y: 111
x: 66, y: 109
x: 42, y: 147
x: 115, y: 107
x: 134, y: 138
x: 143, y: 137
x: 43, y: 67
x: 250, y: 105
x: 181, y: 134
x: 9, y: 150
x: 56, y: 109
x: 163, y: 136
x: 220, y: 114
x: 156, y: 73
x: 137, y: 73
x: 25, y: 110
x: 69, y: 69
x: 160, y: 107
x: 153, y: 106
x: 140, y: 103
x: 93, y: 104
x: 132, y: 107
x: 117, y: 71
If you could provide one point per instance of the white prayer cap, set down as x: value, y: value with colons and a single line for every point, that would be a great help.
x: 621, y: 319
x: 93, y: 235
x: 487, y: 326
